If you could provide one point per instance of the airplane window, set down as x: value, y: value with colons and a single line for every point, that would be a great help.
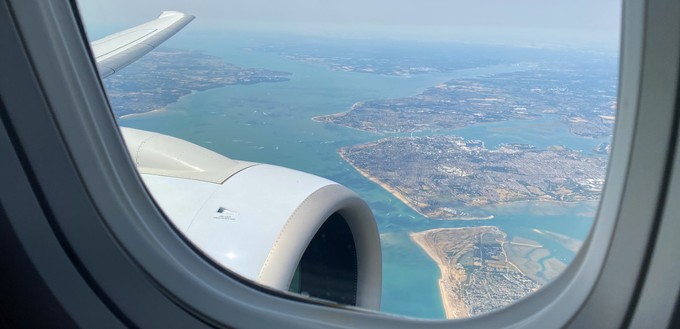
x: 435, y: 160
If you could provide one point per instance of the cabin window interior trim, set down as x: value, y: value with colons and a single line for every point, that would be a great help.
x: 130, y: 225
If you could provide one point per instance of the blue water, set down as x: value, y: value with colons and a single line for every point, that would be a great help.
x: 271, y: 123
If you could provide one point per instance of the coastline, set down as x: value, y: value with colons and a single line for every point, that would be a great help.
x: 454, y: 308
x: 402, y: 197
x: 327, y: 119
x: 406, y: 201
x: 141, y: 114
x: 320, y: 118
x: 459, y: 287
x: 388, y: 188
x: 164, y: 108
x: 490, y: 217
x: 502, y: 203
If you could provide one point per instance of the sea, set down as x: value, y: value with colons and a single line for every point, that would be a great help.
x: 272, y: 123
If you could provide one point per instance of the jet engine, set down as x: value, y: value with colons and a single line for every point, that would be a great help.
x: 279, y: 227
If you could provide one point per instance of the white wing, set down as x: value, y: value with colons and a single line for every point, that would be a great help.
x: 118, y: 50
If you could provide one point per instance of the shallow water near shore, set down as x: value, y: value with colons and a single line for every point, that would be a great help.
x: 271, y: 123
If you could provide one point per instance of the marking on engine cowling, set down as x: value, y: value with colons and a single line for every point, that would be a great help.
x: 225, y: 214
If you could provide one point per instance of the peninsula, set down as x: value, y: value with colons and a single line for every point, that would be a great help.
x: 164, y: 75
x: 474, y: 259
x: 585, y: 101
x: 439, y: 176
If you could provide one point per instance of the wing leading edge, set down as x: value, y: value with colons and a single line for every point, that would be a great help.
x: 118, y: 50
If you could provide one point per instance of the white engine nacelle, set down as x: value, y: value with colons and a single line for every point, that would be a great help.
x: 281, y: 228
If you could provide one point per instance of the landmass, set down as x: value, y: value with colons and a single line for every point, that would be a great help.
x: 439, y: 175
x: 164, y: 75
x: 482, y: 271
x: 445, y: 107
x: 406, y: 59
x: 378, y: 56
x: 585, y: 101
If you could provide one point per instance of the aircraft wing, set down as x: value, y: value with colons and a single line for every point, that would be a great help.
x: 118, y: 50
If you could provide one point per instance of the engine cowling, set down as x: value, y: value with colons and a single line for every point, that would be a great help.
x: 279, y: 227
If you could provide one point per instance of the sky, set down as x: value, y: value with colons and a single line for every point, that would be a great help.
x: 572, y: 23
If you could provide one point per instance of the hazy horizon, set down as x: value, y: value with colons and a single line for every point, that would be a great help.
x: 581, y: 24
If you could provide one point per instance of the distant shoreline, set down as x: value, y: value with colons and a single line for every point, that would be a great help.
x: 141, y: 114
x: 501, y: 203
x: 327, y: 118
x: 164, y: 108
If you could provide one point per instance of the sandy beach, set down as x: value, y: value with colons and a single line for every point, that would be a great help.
x: 135, y: 115
x: 323, y: 118
x: 450, y: 281
x: 388, y: 188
